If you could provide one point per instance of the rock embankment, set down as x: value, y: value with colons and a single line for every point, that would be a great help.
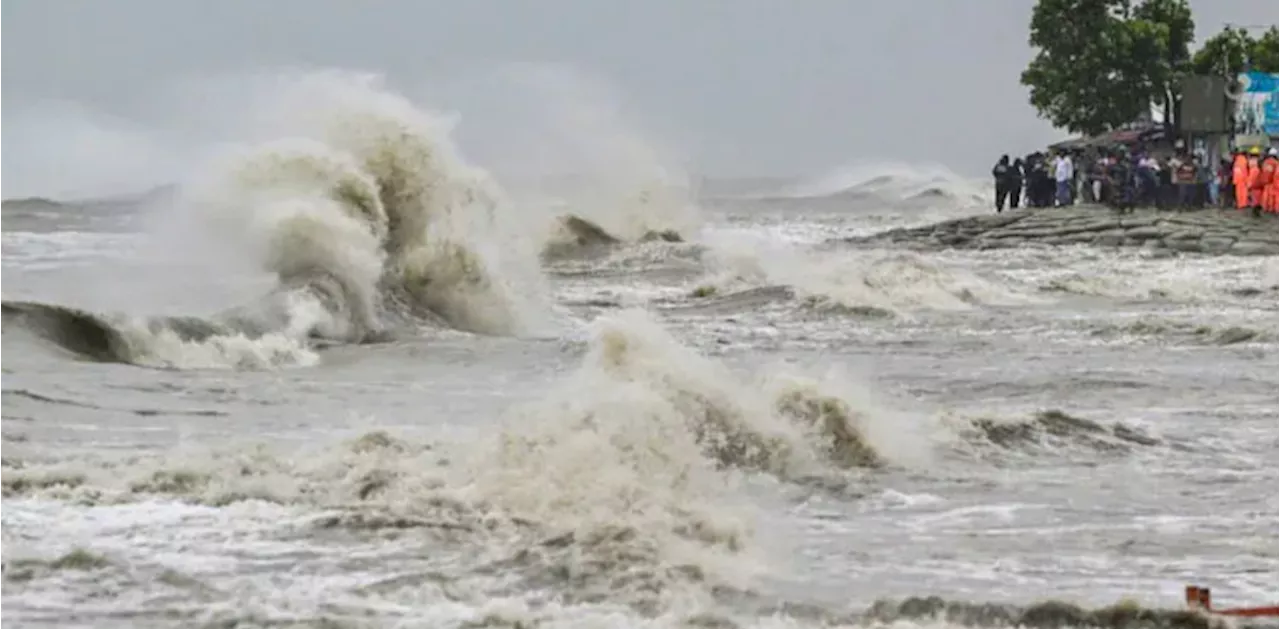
x: 1202, y: 231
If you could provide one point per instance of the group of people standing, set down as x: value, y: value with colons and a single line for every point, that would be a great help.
x: 1125, y: 179
x: 1042, y: 180
x: 1252, y: 181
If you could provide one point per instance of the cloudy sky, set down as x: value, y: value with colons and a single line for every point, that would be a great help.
x: 741, y: 87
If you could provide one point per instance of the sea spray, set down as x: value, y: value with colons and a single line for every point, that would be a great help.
x: 442, y: 225
x: 594, y: 163
x: 359, y: 205
x: 855, y: 282
x: 622, y: 482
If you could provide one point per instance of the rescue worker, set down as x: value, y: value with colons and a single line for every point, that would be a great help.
x: 1264, y: 184
x: 1251, y: 178
x: 1240, y: 179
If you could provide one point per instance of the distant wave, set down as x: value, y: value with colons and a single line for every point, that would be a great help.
x: 1160, y: 328
x: 32, y: 203
x: 31, y: 209
x: 893, y: 184
x: 873, y: 283
x: 574, y: 235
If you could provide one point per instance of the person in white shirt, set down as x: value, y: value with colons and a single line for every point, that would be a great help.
x: 1063, y: 174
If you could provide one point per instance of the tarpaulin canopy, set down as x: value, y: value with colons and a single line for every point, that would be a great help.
x: 1111, y: 138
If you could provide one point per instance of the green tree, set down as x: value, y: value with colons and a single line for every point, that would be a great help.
x: 1225, y: 54
x: 1232, y: 50
x: 1075, y: 79
x: 1163, y: 30
x: 1264, y: 55
x: 1100, y: 64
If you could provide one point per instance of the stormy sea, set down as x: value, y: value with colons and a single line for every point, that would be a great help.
x: 344, y: 376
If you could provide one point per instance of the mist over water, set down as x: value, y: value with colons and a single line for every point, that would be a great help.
x: 346, y: 373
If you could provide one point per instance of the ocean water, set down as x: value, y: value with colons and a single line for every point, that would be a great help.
x: 343, y: 377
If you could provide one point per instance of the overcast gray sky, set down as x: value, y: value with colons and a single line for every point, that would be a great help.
x: 735, y: 87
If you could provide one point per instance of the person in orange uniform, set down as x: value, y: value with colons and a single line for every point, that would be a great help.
x: 1252, y: 178
x: 1262, y: 182
x: 1240, y: 179
x: 1266, y: 183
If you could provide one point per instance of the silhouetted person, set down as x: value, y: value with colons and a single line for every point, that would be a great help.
x: 1040, y: 181
x: 1015, y: 183
x: 1123, y: 183
x: 1226, y: 186
x: 1000, y: 175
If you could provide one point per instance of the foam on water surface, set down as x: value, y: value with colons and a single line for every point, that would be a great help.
x: 698, y: 412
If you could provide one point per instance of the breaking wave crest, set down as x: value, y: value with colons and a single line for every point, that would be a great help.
x: 1162, y: 328
x: 619, y: 482
x: 624, y: 486
x: 436, y: 236
x: 1045, y: 431
x: 645, y: 404
x: 182, y: 342
x: 368, y: 220
x: 873, y: 282
x: 573, y: 235
x: 1046, y: 615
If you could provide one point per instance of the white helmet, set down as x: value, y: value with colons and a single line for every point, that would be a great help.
x: 1271, y: 152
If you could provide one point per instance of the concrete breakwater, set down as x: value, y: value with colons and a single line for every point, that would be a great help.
x: 1202, y: 231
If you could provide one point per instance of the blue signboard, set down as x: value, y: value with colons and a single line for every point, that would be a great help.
x: 1256, y: 113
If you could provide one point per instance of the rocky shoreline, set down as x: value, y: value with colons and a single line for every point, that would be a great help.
x: 1215, y: 232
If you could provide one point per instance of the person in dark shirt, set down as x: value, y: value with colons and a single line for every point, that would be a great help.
x: 1226, y: 185
x: 1015, y: 183
x: 1122, y: 183
x: 1000, y: 173
x: 1029, y: 165
x: 1182, y: 169
x: 1036, y: 177
x: 1045, y: 183
x: 1168, y: 183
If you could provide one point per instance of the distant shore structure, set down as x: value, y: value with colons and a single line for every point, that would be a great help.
x: 1218, y: 115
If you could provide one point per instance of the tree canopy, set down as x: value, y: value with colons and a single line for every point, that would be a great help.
x: 1233, y: 50
x: 1101, y: 64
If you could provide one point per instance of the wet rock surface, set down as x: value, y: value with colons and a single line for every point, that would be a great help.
x: 1228, y: 232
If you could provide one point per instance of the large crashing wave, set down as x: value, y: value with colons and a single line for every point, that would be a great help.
x: 372, y: 186
x: 621, y: 487
x: 369, y: 220
x: 618, y: 484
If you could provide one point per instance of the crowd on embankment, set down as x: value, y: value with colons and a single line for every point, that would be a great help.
x: 1125, y: 178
